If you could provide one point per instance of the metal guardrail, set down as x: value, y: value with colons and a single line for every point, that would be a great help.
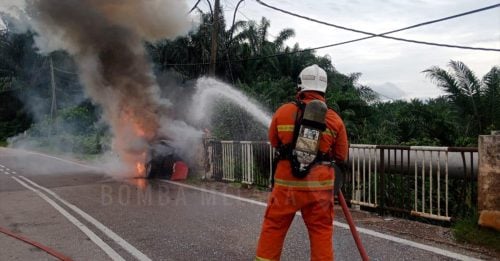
x: 248, y: 162
x: 415, y: 180
x: 364, y: 175
x: 430, y: 182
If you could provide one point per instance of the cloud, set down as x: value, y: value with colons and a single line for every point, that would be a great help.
x: 388, y: 90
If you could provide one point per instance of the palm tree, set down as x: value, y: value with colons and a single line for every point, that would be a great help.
x: 469, y: 94
x: 491, y: 96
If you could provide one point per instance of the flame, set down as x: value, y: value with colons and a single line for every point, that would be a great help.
x: 136, y: 126
x: 141, y: 125
x: 140, y: 165
x: 141, y: 169
x: 141, y: 184
x: 140, y: 132
x: 139, y: 129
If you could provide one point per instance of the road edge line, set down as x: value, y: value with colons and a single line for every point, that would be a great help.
x: 92, y: 236
x: 56, y: 158
x: 108, y: 232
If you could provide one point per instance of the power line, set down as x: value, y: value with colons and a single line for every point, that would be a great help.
x: 194, y: 7
x: 234, y: 18
x: 349, y: 41
x: 211, y: 10
x: 443, y: 19
x: 384, y: 35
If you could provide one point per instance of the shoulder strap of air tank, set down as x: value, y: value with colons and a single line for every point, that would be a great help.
x: 298, y: 118
x: 285, y: 150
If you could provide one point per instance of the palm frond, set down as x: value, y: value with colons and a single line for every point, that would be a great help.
x: 491, y: 96
x: 284, y: 35
x: 444, y: 80
x: 466, y: 79
x: 262, y: 32
x: 238, y: 26
x: 492, y: 79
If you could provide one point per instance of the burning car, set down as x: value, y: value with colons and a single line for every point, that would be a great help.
x: 162, y: 161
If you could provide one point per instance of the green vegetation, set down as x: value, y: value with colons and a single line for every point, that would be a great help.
x: 74, y: 130
x: 467, y: 230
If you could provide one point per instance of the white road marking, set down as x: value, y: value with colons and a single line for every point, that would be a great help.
x: 56, y: 158
x: 251, y: 201
x: 120, y: 241
x: 409, y: 243
x: 345, y: 226
x: 97, y: 240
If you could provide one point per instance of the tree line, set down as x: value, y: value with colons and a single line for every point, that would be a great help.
x: 247, y: 60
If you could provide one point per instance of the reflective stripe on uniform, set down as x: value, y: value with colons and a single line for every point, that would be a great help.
x: 286, y: 128
x: 330, y: 132
x: 313, y: 184
x: 262, y: 259
x: 290, y: 128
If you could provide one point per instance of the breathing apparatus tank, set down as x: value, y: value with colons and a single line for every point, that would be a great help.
x: 310, y: 129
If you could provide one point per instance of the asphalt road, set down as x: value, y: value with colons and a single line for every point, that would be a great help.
x: 88, y: 215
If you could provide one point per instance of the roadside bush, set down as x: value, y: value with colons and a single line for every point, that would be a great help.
x: 74, y: 130
x: 467, y: 230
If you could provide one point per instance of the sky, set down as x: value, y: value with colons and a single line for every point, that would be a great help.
x: 392, y: 68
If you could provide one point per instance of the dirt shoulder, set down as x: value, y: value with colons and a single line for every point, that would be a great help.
x: 428, y: 234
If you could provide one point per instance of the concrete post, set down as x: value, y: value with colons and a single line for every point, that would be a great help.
x: 489, y: 180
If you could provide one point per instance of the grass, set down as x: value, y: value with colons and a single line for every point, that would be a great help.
x: 3, y: 143
x: 194, y: 177
x: 236, y: 185
x: 467, y: 230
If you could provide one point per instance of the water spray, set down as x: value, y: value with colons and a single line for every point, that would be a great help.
x: 208, y: 90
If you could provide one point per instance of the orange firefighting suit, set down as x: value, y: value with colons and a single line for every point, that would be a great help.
x: 311, y: 195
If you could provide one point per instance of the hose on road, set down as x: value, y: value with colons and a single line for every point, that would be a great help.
x: 337, y: 191
x: 354, y: 232
x: 49, y: 250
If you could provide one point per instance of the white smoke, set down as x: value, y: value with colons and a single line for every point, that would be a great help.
x: 106, y: 40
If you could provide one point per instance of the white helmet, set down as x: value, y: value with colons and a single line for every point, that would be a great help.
x: 312, y: 78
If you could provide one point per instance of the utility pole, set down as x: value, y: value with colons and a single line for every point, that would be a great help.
x: 53, y: 105
x: 215, y: 36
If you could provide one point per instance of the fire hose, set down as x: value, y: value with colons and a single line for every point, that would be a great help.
x: 49, y: 250
x: 352, y: 226
x: 338, y: 192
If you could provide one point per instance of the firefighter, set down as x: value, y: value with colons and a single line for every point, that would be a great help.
x: 298, y: 185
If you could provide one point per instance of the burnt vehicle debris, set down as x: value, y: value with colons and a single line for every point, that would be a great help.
x: 163, y: 162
